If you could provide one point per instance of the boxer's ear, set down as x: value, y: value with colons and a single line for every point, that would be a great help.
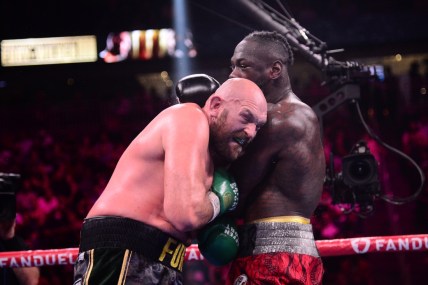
x: 215, y: 103
x: 276, y: 69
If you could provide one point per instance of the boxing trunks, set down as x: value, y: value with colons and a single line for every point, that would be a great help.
x: 117, y: 250
x: 276, y: 252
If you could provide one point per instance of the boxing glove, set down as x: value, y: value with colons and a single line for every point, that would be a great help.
x: 224, y: 194
x: 196, y: 88
x: 218, y: 241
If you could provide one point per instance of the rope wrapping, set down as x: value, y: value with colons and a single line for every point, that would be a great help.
x: 334, y: 247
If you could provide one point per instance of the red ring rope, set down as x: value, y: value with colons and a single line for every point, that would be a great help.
x: 335, y: 247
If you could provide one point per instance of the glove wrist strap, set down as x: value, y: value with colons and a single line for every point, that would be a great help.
x: 215, y: 202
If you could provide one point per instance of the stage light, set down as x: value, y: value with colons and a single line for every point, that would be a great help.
x: 181, y: 26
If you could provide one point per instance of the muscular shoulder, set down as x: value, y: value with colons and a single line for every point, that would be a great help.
x: 183, y: 116
x: 184, y: 121
x: 187, y: 111
x: 293, y: 120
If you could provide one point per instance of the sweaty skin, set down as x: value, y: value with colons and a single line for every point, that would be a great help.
x: 282, y: 171
x: 163, y: 177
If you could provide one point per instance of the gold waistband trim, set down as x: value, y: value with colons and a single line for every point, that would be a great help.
x: 282, y: 219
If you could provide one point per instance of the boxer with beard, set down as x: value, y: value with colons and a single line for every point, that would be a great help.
x: 163, y: 188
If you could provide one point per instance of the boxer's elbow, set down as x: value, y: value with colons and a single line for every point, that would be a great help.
x: 189, y: 215
x: 185, y: 221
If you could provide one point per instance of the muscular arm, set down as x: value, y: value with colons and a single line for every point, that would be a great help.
x: 302, y: 161
x: 187, y: 170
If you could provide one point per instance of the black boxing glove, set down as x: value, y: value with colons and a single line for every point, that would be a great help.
x: 196, y: 88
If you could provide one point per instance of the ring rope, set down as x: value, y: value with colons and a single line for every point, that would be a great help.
x: 334, y: 247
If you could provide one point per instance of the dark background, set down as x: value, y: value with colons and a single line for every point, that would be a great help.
x: 362, y: 28
x: 342, y: 24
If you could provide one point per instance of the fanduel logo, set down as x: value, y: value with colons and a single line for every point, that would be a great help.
x: 361, y: 245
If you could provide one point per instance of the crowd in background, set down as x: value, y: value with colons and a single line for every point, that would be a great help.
x: 65, y: 145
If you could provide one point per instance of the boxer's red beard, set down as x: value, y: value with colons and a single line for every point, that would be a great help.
x: 221, y: 139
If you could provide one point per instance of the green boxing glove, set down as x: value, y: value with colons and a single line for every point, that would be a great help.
x: 224, y: 193
x: 218, y: 241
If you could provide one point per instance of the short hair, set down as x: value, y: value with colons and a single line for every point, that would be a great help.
x: 277, y: 39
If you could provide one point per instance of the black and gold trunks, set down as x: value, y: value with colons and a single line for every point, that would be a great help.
x: 124, y: 233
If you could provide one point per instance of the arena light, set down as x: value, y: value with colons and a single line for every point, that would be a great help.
x: 139, y: 45
x: 181, y: 61
x: 148, y: 44
x: 40, y: 51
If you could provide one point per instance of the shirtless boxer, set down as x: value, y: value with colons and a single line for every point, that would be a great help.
x: 280, y: 177
x: 160, y: 189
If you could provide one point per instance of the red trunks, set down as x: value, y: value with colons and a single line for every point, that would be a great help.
x: 276, y: 268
